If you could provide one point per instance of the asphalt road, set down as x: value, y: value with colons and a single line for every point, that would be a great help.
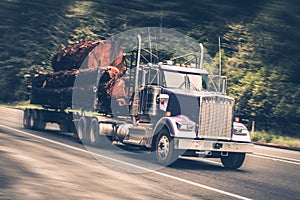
x: 53, y: 165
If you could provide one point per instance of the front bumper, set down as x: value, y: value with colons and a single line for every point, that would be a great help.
x: 209, y: 145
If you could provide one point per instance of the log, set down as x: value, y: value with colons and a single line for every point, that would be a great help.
x: 88, y: 55
x: 59, y: 90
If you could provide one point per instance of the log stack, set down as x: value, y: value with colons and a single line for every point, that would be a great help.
x: 78, y: 70
x: 55, y: 89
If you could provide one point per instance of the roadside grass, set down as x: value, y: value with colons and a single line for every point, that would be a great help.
x: 271, y: 138
x: 21, y: 105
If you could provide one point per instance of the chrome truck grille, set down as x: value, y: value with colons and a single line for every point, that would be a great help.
x: 215, y: 120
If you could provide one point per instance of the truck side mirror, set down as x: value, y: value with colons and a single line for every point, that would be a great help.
x: 163, y: 100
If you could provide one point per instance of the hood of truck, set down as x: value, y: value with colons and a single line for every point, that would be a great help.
x: 186, y: 102
x: 191, y: 93
x: 215, y: 120
x: 183, y: 103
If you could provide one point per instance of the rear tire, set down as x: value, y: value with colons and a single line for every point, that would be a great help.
x: 33, y: 119
x: 67, y: 126
x: 63, y: 127
x: 233, y: 160
x: 26, y: 119
x: 94, y: 132
x: 36, y: 120
x: 82, y: 130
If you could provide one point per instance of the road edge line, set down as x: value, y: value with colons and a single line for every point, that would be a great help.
x: 274, y: 158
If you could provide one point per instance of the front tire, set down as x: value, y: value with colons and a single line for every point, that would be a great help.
x: 164, y: 148
x: 233, y: 160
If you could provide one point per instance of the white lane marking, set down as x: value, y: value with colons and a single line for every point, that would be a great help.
x: 131, y: 165
x: 278, y: 157
x: 275, y: 158
x: 258, y: 155
x: 265, y: 156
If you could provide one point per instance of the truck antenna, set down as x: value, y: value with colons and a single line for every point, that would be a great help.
x: 161, y: 19
x: 220, y: 63
x: 138, y: 61
x: 220, y: 57
x: 150, y: 45
x: 201, y: 54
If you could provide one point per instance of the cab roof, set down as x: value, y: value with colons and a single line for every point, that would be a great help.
x: 179, y: 69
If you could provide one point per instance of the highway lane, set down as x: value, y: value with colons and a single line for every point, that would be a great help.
x: 38, y: 169
x: 32, y: 168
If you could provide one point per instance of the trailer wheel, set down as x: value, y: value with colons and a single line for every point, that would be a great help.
x: 94, y: 132
x: 67, y: 126
x: 233, y: 160
x: 26, y: 119
x: 63, y: 127
x: 36, y: 120
x: 164, y: 148
x: 31, y: 119
x: 82, y: 130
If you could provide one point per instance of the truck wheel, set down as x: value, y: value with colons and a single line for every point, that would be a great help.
x: 36, y: 121
x: 82, y: 130
x: 26, y: 119
x: 66, y: 126
x: 31, y: 119
x: 94, y: 132
x: 233, y: 160
x: 164, y: 148
x: 63, y: 127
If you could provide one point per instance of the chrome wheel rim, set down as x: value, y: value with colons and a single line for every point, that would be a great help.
x: 80, y: 130
x: 92, y: 133
x: 163, y: 147
x: 31, y: 120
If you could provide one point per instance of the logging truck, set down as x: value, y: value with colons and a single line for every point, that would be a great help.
x: 168, y: 108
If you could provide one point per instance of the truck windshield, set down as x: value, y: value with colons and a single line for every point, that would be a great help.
x: 177, y: 80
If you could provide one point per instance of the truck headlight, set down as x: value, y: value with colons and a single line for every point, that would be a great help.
x: 240, y: 131
x: 185, y: 127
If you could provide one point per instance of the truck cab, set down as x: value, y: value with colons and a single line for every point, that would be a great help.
x: 179, y: 109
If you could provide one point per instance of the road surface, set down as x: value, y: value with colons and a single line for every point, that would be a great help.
x: 53, y: 165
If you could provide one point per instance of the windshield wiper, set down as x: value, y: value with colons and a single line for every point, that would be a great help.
x: 194, y: 87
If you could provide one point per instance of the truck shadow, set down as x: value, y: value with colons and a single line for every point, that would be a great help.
x: 134, y: 154
x: 146, y: 158
x: 182, y: 163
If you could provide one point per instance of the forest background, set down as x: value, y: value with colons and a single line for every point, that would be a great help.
x: 260, y: 45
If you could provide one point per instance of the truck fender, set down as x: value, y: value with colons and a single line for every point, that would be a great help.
x: 171, y: 123
x: 165, y: 122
